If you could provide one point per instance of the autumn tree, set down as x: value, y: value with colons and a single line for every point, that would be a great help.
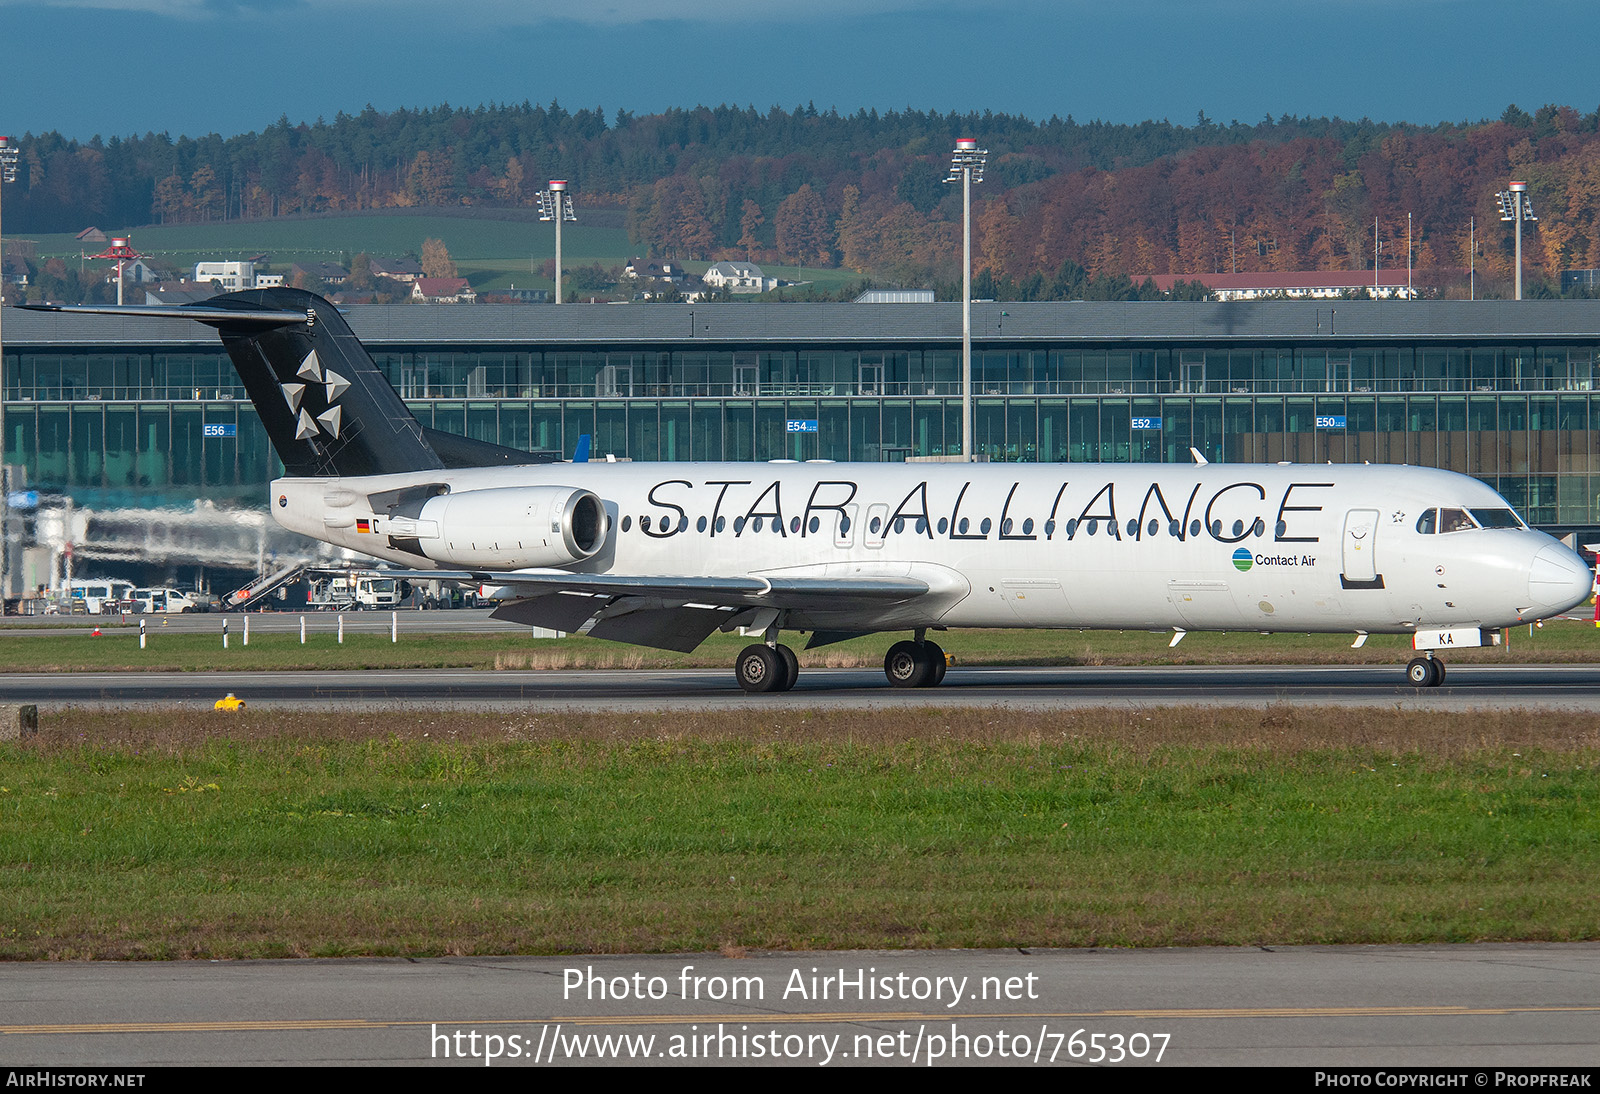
x: 361, y: 272
x: 430, y: 179
x: 801, y: 225
x: 750, y: 221
x: 168, y: 204
x: 205, y: 194
x: 436, y: 259
x: 854, y: 231
x: 509, y: 188
x: 675, y: 219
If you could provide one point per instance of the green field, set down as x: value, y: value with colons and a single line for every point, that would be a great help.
x: 492, y: 253
x: 267, y: 834
x: 488, y: 252
x: 67, y: 650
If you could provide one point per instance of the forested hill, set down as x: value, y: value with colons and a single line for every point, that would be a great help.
x: 866, y: 190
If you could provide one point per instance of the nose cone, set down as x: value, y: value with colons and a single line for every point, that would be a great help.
x: 1558, y: 579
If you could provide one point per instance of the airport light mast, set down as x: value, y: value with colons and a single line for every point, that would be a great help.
x: 8, y: 173
x: 1515, y: 206
x: 122, y: 253
x: 966, y: 167
x: 556, y: 204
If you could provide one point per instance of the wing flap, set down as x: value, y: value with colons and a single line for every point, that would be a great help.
x: 558, y: 611
x: 681, y: 627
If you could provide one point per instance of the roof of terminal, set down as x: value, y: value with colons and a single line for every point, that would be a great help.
x: 679, y: 325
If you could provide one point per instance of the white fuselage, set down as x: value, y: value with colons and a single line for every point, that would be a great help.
x: 1213, y: 547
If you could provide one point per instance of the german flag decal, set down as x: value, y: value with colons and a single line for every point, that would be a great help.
x: 363, y: 526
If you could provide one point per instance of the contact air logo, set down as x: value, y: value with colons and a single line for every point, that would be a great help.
x: 1242, y: 559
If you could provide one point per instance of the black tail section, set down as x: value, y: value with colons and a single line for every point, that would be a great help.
x: 325, y: 405
x: 322, y: 399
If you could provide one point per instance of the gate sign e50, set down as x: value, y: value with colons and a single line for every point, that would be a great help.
x: 801, y: 425
x: 1330, y: 421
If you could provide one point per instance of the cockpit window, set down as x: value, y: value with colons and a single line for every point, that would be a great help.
x: 1454, y: 520
x: 1426, y: 522
x: 1496, y: 518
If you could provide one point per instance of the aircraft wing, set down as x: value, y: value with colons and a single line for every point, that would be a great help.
x: 678, y: 613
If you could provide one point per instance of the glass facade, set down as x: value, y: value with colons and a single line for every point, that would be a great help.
x: 131, y: 422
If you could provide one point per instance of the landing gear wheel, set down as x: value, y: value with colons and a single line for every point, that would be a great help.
x: 791, y: 668
x: 1424, y: 672
x: 760, y: 668
x: 936, y: 655
x: 907, y: 666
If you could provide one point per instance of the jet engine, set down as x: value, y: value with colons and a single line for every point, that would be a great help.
x: 513, y: 527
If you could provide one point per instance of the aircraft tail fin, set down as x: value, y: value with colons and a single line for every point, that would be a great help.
x: 323, y: 401
x: 326, y: 406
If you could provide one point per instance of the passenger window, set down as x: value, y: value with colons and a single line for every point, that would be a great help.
x: 1425, y: 523
x: 1454, y: 520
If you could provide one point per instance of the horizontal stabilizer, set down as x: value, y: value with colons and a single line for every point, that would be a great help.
x: 200, y: 313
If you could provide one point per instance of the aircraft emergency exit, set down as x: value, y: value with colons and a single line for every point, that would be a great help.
x: 666, y: 554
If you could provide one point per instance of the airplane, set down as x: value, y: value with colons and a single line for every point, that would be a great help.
x: 666, y: 554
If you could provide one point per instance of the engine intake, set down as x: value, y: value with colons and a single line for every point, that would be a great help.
x: 514, y: 527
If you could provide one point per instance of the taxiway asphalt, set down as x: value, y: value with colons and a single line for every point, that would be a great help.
x: 1473, y: 1008
x: 1467, y: 687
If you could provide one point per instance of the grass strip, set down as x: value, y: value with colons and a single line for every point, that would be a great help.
x: 117, y: 649
x: 185, y: 834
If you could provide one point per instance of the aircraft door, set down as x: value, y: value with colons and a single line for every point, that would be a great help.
x: 1360, y: 554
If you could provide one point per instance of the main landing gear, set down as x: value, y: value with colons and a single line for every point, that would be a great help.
x: 768, y: 666
x: 1425, y: 672
x: 917, y: 664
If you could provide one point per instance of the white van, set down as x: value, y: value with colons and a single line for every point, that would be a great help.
x: 99, y: 596
x: 173, y: 601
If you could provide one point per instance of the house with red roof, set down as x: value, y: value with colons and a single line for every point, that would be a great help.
x: 442, y: 290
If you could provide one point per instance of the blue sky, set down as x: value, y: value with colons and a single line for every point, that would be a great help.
x: 197, y: 66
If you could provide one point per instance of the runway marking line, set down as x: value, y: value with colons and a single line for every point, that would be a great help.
x: 269, y: 1026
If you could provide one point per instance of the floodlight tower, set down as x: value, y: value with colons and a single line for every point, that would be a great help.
x: 556, y: 204
x: 122, y: 253
x: 1515, y: 206
x: 966, y: 167
x: 8, y: 173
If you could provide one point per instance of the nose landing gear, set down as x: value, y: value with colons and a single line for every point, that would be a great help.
x: 1425, y: 672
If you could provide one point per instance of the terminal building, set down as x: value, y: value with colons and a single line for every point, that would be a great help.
x: 118, y: 412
